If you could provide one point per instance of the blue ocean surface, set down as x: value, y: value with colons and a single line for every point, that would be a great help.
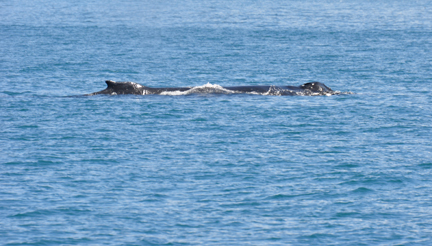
x: 208, y: 168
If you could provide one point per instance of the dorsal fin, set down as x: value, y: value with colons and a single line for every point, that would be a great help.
x: 110, y: 83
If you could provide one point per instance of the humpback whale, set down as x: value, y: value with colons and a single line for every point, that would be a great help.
x: 123, y: 88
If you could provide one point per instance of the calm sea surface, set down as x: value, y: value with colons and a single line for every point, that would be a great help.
x: 215, y: 169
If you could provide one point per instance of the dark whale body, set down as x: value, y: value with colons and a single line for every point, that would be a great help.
x: 123, y: 88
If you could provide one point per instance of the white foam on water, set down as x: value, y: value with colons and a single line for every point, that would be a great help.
x: 203, y: 89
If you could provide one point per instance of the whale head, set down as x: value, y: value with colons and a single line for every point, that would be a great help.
x: 316, y: 87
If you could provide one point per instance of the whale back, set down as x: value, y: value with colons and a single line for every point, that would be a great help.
x: 122, y: 88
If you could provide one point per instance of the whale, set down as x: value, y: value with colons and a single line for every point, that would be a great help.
x: 132, y: 88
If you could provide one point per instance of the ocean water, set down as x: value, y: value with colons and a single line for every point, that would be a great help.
x: 206, y: 168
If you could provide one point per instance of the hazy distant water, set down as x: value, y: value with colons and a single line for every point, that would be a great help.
x: 211, y: 169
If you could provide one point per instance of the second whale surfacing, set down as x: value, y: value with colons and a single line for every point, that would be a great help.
x: 131, y: 88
